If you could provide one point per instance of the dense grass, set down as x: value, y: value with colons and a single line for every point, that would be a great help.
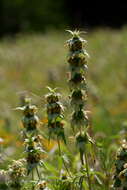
x: 31, y: 62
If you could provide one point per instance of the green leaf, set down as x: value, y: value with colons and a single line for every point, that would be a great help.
x: 98, y: 179
x: 51, y: 168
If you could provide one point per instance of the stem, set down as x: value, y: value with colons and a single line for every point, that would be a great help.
x: 87, y: 171
x: 59, y: 146
x: 33, y: 179
x: 38, y: 173
x: 60, y: 154
x: 80, y: 130
x: 81, y: 181
x: 81, y: 157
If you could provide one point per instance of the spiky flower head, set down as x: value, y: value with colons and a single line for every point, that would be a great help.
x: 76, y: 42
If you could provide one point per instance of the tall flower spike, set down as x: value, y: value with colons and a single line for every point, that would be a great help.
x: 77, y: 82
x: 32, y: 139
x: 55, y: 115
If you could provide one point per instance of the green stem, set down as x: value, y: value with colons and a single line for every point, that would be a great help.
x: 38, y: 173
x: 60, y: 154
x: 59, y: 146
x: 87, y: 171
x: 80, y: 130
x: 81, y: 158
x: 33, y: 179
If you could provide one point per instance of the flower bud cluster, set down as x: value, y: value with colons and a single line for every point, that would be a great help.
x: 55, y: 115
x: 77, y: 82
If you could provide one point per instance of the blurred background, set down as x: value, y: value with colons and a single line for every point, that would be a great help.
x: 23, y: 16
x: 33, y: 56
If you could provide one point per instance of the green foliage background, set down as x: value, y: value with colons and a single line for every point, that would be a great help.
x: 31, y: 62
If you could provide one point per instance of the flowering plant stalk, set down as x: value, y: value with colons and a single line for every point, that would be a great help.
x: 55, y: 120
x: 78, y: 97
x: 32, y: 141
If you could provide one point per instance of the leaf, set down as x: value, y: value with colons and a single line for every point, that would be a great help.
x: 71, y: 32
x: 60, y: 163
x: 98, y: 173
x: 51, y: 168
x: 85, y: 185
x: 52, y: 177
x: 20, y: 108
x: 98, y: 180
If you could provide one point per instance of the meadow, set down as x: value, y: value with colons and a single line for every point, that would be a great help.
x: 30, y: 63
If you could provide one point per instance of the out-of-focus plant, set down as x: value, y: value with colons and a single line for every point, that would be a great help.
x: 120, y: 177
x: 16, y: 174
x: 3, y: 179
